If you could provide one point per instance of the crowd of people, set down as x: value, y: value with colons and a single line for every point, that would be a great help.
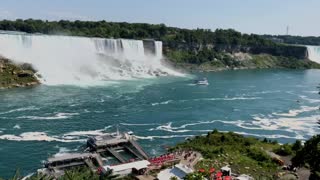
x: 162, y: 159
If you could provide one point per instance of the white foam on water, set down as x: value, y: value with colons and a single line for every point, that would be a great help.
x: 17, y: 126
x: 34, y: 136
x: 309, y: 99
x: 295, y: 112
x: 162, y: 103
x: 167, y: 127
x: 29, y: 108
x: 290, y: 124
x: 84, y: 61
x: 242, y: 133
x: 194, y: 124
x: 209, y: 122
x: 57, y: 116
x: 79, y: 134
x: 312, y: 92
x: 75, y: 136
x: 231, y: 99
x: 266, y: 92
x: 273, y: 136
x: 144, y: 124
x: 207, y: 99
x: 62, y: 151
x: 85, y: 133
x: 73, y: 105
x: 300, y: 126
x: 181, y: 129
x: 162, y: 137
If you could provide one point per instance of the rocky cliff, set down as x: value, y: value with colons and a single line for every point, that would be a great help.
x: 16, y: 75
x: 295, y: 51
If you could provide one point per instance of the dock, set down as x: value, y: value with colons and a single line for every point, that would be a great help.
x: 111, y: 143
x: 121, y: 147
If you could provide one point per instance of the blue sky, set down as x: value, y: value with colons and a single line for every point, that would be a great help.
x: 249, y: 16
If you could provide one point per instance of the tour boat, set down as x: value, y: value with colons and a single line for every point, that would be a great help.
x: 204, y: 81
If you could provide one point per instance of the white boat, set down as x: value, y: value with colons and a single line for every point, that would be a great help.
x: 204, y: 81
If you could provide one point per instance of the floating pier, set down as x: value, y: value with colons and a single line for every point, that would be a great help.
x: 112, y: 143
x: 119, y: 146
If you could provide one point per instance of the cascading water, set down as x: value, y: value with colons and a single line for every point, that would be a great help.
x: 79, y: 60
x: 314, y: 53
x: 158, y: 47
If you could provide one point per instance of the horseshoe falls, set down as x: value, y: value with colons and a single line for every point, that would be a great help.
x: 314, y: 53
x: 66, y: 60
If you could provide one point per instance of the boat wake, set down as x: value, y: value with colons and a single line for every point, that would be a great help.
x: 54, y: 117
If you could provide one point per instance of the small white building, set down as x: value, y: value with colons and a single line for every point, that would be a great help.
x: 226, y: 171
x: 128, y: 168
x: 179, y: 171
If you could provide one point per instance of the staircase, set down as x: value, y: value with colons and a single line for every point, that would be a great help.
x: 116, y: 155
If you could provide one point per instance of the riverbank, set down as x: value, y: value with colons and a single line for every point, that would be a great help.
x: 16, y: 75
x: 245, y: 61
x: 260, y: 159
x: 244, y: 155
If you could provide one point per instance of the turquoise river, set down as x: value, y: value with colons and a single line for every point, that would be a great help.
x: 36, y: 123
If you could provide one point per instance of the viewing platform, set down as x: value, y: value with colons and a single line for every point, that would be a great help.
x: 112, y: 143
x: 108, y: 150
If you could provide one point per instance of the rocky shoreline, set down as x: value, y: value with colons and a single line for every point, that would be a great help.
x: 247, y: 61
x: 16, y: 75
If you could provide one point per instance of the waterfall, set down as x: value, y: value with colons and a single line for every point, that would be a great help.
x: 314, y: 53
x: 158, y: 46
x: 80, y: 60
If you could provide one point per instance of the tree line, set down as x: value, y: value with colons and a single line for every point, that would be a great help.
x: 134, y: 31
x: 309, y: 40
x: 193, y: 46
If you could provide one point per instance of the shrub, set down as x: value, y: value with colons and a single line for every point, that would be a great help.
x: 284, y: 150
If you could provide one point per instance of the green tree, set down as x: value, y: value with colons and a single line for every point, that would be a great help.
x: 173, y: 178
x: 297, y: 146
x: 310, y: 155
x: 194, y: 176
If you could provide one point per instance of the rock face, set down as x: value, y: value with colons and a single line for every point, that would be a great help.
x: 16, y: 75
x: 299, y: 52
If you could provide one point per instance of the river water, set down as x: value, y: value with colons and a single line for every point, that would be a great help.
x: 39, y: 122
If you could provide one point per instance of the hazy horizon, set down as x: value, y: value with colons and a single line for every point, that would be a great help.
x: 249, y: 16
